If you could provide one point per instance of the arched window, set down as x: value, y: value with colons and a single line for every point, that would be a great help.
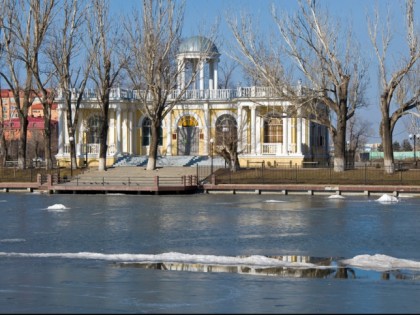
x: 147, y: 134
x: 94, y: 130
x: 188, y: 121
x: 273, y: 130
x: 226, y: 130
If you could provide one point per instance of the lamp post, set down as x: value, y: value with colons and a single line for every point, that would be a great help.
x: 71, y: 157
x: 211, y: 155
x: 414, y: 137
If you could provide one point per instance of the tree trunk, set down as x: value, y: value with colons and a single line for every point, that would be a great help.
x: 235, y: 162
x: 73, y: 154
x: 340, y: 136
x: 22, y: 142
x: 3, y: 150
x: 340, y: 146
x: 47, y: 140
x: 386, y: 134
x: 103, y: 142
x: 153, y: 146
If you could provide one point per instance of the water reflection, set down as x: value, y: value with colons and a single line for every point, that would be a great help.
x: 321, y: 268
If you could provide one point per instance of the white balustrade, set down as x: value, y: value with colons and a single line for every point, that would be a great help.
x: 217, y: 94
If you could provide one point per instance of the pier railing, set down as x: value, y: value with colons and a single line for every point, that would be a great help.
x: 132, y: 181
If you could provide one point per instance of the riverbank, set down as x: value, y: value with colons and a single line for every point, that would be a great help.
x: 186, y: 180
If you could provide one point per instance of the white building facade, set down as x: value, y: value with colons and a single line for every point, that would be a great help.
x: 263, y: 124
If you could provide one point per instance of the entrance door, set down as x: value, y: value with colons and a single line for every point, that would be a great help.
x: 188, y: 138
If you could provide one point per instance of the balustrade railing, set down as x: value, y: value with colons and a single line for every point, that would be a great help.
x: 92, y: 149
x: 191, y: 94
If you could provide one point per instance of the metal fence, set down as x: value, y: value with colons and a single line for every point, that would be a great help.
x: 366, y: 175
x: 362, y: 175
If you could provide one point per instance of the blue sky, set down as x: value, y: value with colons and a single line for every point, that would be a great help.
x: 201, y: 15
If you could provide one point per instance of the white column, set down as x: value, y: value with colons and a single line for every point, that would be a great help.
x: 130, y: 132
x: 299, y: 135
x: 118, y: 144
x: 181, y: 71
x: 124, y: 115
x: 216, y: 65
x: 240, y: 128
x: 195, y: 67
x: 79, y: 134
x: 61, y: 131
x: 253, y: 125
x: 211, y: 75
x: 135, y: 132
x: 285, y: 135
x: 169, y: 134
x: 258, y: 145
x: 206, y: 129
x: 201, y: 65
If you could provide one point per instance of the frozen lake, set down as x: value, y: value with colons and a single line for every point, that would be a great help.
x: 209, y: 254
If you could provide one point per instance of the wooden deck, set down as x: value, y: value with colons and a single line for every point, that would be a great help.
x: 156, y: 185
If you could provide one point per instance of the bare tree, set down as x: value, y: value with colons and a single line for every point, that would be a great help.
x: 71, y: 68
x: 400, y: 87
x: 3, y: 148
x: 330, y: 63
x: 154, y: 39
x: 358, y: 131
x: 227, y: 72
x: 43, y: 20
x: 228, y: 140
x: 109, y: 58
x: 24, y: 25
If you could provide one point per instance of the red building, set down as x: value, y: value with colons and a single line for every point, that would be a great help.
x: 10, y: 126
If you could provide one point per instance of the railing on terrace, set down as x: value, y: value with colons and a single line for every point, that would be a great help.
x: 218, y: 94
x: 91, y: 148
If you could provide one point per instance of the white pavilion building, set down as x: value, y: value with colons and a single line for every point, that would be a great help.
x: 265, y: 132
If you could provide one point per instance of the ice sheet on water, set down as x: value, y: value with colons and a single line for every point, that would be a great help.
x: 376, y: 262
x: 12, y: 240
x: 381, y: 262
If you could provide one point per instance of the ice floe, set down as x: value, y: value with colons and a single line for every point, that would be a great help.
x: 57, y: 206
x: 387, y: 198
x: 273, y: 201
x: 336, y: 196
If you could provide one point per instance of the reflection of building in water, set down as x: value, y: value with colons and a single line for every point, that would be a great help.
x: 311, y: 270
x: 265, y: 126
x: 294, y: 258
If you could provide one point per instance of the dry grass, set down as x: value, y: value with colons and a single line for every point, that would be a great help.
x: 363, y: 176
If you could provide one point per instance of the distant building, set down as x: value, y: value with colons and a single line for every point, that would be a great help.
x: 11, y: 128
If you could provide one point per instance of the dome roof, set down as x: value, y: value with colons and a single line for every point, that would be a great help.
x: 197, y: 44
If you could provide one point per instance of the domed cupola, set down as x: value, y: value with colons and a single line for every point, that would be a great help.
x: 199, y: 45
x: 198, y: 54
